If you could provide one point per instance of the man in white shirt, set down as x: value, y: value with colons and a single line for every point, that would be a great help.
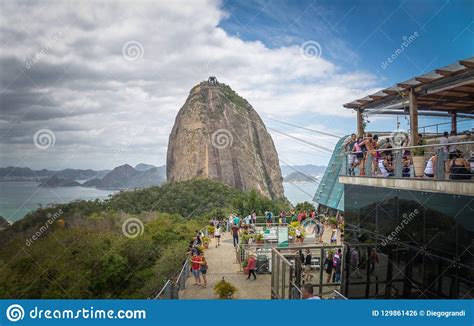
x: 453, y: 138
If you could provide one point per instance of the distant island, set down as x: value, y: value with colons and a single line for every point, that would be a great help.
x: 56, y: 181
x: 308, y: 169
x: 297, y: 177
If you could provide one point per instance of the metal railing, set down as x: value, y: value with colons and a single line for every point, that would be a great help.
x: 399, y: 162
x: 288, y: 274
x: 172, y: 287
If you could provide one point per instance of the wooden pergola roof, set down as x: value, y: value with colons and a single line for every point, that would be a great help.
x: 442, y: 91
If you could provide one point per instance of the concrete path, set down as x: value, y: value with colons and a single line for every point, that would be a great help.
x: 222, y: 263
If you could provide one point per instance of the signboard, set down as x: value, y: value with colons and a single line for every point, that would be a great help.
x: 282, y: 236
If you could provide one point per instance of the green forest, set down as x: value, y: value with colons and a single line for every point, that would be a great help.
x: 79, y: 250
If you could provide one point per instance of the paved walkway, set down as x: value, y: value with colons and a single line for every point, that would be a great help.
x: 222, y: 263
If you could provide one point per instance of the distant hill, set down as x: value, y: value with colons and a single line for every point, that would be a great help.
x: 122, y: 177
x: 299, y: 177
x: 142, y: 167
x: 13, y: 173
x: 56, y: 181
x: 127, y: 177
x: 308, y: 169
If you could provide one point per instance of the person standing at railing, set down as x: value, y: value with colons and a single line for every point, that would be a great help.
x: 196, y: 261
x: 357, y: 149
x: 283, y: 217
x: 328, y: 267
x: 203, y: 269
x: 430, y: 167
x: 235, y: 234
x: 453, y: 138
x: 460, y: 168
x: 268, y: 217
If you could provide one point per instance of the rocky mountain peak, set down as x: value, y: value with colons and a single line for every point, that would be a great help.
x: 218, y: 135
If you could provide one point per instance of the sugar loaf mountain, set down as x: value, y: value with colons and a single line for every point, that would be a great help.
x: 220, y: 159
x: 218, y: 135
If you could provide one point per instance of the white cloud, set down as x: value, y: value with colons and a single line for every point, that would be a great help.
x: 96, y: 98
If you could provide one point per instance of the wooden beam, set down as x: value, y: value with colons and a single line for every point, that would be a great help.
x: 469, y: 64
x: 413, y: 108
x: 454, y: 124
x: 360, y: 124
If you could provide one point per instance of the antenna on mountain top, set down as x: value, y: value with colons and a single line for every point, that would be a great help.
x: 212, y: 80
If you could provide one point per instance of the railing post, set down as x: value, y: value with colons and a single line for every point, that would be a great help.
x: 440, y: 164
x: 398, y: 164
x: 368, y: 165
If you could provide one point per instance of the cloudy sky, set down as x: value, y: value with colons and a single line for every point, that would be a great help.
x: 98, y: 84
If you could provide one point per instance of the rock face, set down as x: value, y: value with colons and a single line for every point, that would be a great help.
x: 218, y: 135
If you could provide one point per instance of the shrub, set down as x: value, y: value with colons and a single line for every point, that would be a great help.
x: 224, y: 289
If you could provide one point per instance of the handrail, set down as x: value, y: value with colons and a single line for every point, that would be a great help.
x: 417, y: 146
x: 171, y: 283
x: 162, y: 290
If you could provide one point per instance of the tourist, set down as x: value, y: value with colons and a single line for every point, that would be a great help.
x: 229, y: 223
x: 254, y: 217
x: 445, y: 142
x: 269, y: 217
x: 429, y: 171
x: 334, y: 236
x: 312, y: 214
x: 373, y: 260
x: 303, y: 216
x: 459, y: 168
x: 197, y: 238
x: 355, y: 261
x: 217, y: 235
x: 203, y: 269
x: 452, y: 139
x: 318, y: 231
x: 307, y: 292
x: 251, y: 266
x: 235, y: 234
x: 293, y: 216
x: 349, y: 148
x: 196, y: 268
x: 337, y: 265
x: 247, y: 219
x: 299, y: 236
x: 236, y: 220
x: 328, y: 267
x: 357, y: 149
x: 307, y: 266
x: 283, y: 217
x: 383, y: 167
